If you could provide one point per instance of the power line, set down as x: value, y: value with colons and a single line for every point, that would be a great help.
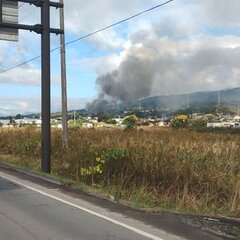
x: 20, y: 64
x: 26, y: 62
x: 21, y: 5
x: 27, y: 15
x: 117, y: 23
x: 90, y: 34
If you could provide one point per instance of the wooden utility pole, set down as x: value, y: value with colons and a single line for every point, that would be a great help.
x: 63, y: 80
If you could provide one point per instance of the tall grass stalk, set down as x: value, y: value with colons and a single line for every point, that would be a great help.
x: 187, y: 170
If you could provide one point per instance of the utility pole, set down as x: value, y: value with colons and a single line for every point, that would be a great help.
x: 46, y: 77
x: 63, y: 80
x: 45, y: 30
x: 1, y: 4
x: 219, y: 98
x: 74, y: 118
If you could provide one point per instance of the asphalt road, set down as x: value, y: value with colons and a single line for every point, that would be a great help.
x: 28, y: 215
x: 30, y: 210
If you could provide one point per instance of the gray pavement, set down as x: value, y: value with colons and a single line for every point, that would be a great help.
x: 27, y: 215
x: 34, y: 208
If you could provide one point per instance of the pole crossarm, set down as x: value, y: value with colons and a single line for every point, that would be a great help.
x: 44, y: 29
x: 38, y: 3
x: 37, y: 28
x: 33, y: 28
x: 56, y: 5
x: 56, y: 31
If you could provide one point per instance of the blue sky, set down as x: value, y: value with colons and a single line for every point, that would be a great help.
x: 188, y: 46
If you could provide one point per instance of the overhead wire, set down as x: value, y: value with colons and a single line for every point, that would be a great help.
x: 21, y: 64
x: 117, y: 23
x: 21, y: 5
x: 27, y: 15
x: 90, y: 34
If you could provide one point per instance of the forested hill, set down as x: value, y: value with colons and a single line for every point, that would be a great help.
x: 229, y: 97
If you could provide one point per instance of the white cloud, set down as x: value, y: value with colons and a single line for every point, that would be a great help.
x: 180, y: 36
x: 87, y: 16
x: 21, y: 76
x: 220, y: 13
x: 154, y: 65
x: 100, y: 65
x: 14, y: 105
x: 25, y: 76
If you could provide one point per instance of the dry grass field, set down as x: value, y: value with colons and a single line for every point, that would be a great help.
x: 172, y: 169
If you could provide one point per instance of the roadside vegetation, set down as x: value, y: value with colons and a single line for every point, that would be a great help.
x: 159, y: 169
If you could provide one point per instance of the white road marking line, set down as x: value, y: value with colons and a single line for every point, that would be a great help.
x: 138, y: 231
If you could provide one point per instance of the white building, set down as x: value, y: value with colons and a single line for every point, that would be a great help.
x: 231, y: 124
x: 4, y: 122
x: 236, y: 118
x: 87, y: 125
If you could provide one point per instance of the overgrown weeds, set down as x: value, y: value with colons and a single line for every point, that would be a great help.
x: 174, y: 169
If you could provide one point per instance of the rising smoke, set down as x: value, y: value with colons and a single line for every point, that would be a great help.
x: 154, y: 65
x: 131, y: 81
